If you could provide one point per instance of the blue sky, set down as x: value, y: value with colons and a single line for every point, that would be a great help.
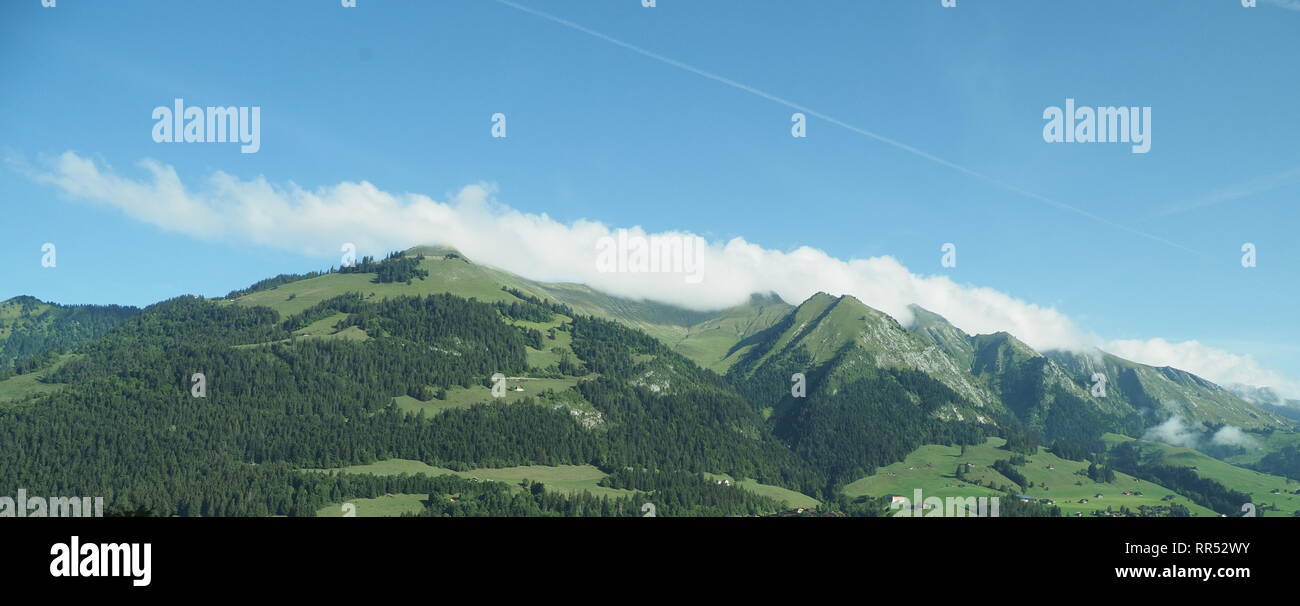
x: 399, y: 94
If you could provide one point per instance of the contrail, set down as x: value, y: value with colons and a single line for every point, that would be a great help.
x: 845, y: 125
x: 1233, y: 193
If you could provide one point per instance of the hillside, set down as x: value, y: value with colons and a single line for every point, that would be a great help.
x: 1168, y: 391
x: 1272, y: 495
x: 1135, y: 395
x: 706, y: 337
x: 933, y: 470
x: 30, y: 327
x: 991, y: 372
x: 286, y: 392
x: 835, y: 338
x: 382, y: 373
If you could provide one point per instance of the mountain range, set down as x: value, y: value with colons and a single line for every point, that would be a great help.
x: 332, y: 381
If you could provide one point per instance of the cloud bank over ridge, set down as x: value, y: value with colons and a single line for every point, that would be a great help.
x: 318, y: 221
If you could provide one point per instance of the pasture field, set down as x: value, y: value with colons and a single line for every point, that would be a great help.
x: 932, y: 468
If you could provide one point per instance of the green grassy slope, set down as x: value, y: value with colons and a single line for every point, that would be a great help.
x: 824, y: 328
x: 1259, y: 486
x: 456, y: 276
x: 717, y: 343
x: 560, y: 394
x: 1168, y: 390
x: 837, y: 338
x: 705, y: 337
x: 563, y: 478
x: 18, y: 387
x: 791, y: 498
x: 389, y: 505
x: 1028, y: 382
x: 30, y: 327
x: 932, y: 469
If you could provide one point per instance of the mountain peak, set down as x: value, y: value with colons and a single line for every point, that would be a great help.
x: 435, y: 251
x: 821, y: 297
x: 23, y: 300
x: 770, y: 298
x: 922, y: 313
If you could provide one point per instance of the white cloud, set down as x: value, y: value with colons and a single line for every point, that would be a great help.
x: 1179, y: 432
x: 320, y: 220
x: 1174, y: 431
x: 1233, y: 436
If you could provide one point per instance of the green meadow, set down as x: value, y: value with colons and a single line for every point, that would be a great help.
x: 1259, y: 486
x: 562, y: 478
x: 455, y: 276
x: 389, y: 505
x: 18, y: 387
x: 792, y: 498
x: 464, y: 397
x: 932, y: 469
